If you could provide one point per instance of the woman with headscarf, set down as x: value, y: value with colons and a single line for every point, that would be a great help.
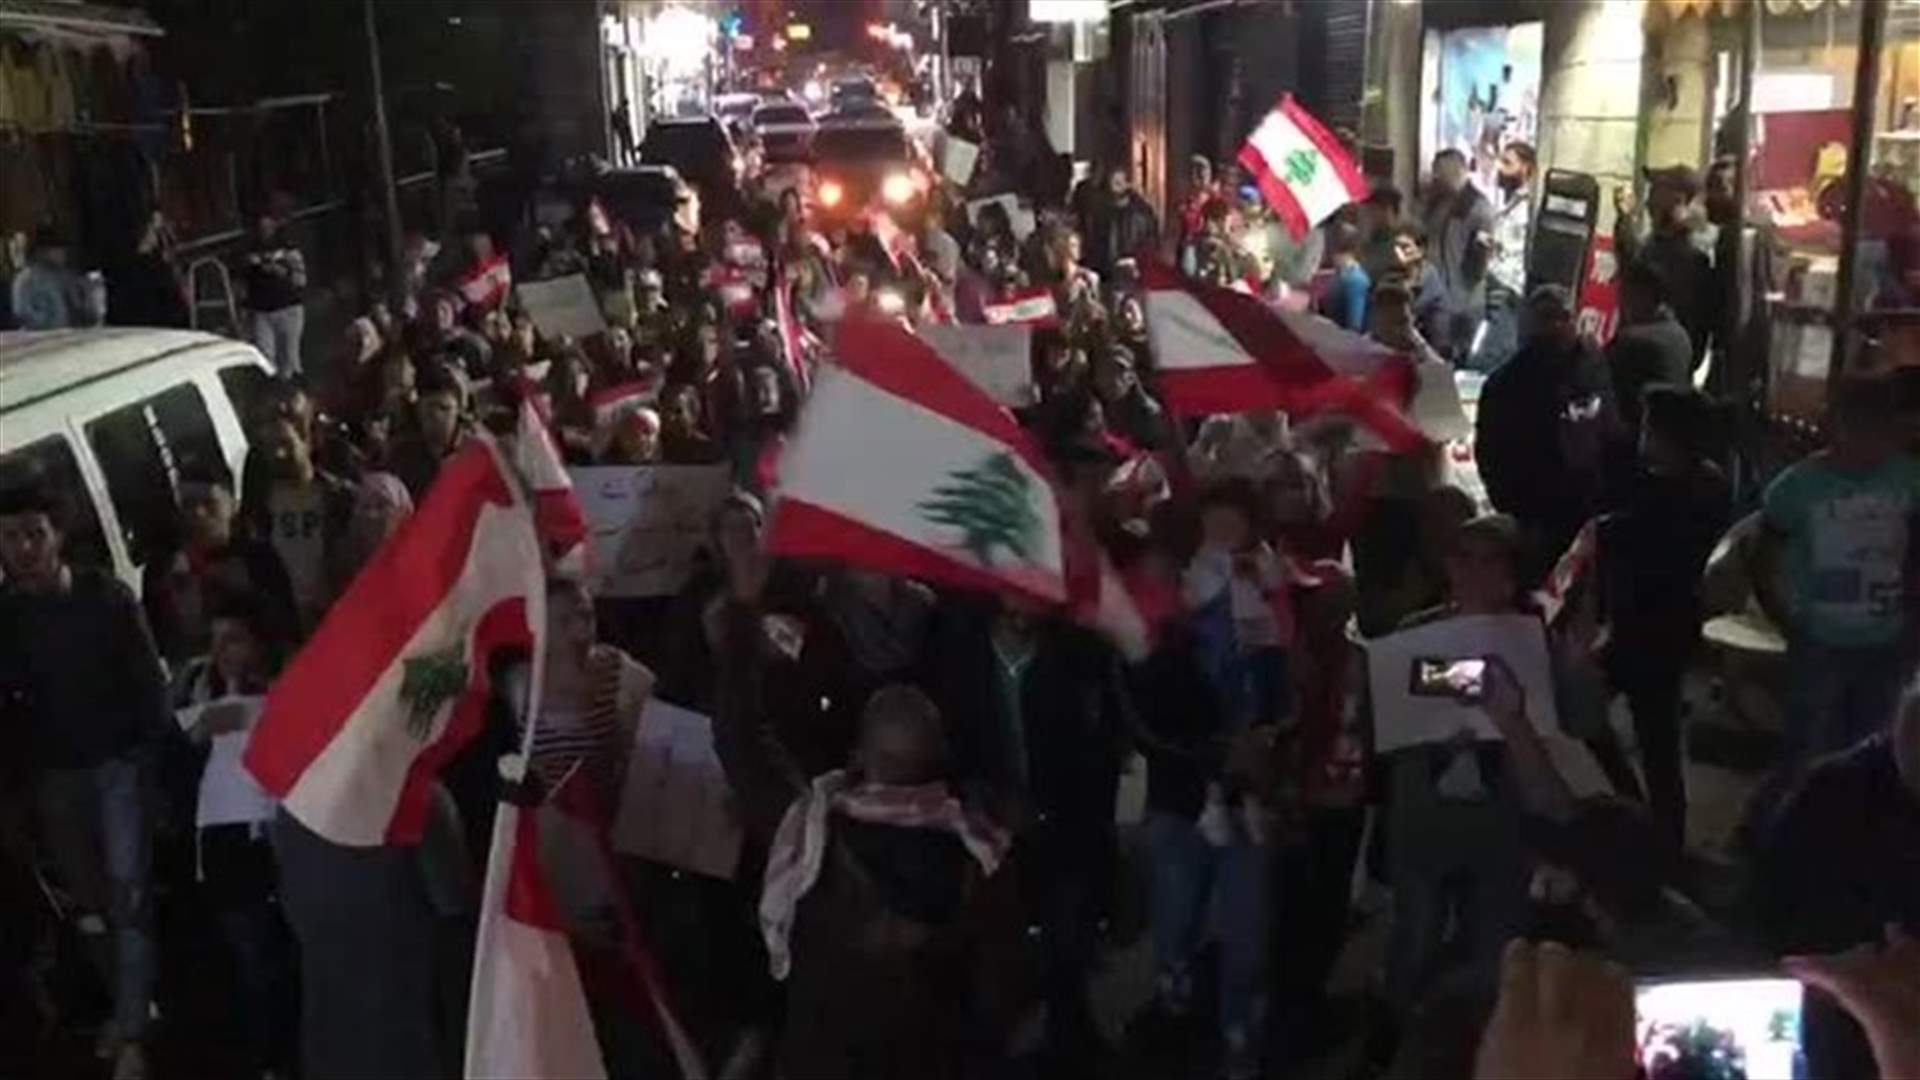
x: 380, y: 507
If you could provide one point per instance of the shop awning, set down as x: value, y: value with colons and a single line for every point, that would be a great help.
x: 73, y: 17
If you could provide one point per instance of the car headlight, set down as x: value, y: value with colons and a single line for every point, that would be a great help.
x: 897, y: 189
x: 831, y: 193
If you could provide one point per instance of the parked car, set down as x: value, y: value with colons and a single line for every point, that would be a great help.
x: 646, y: 197
x: 852, y: 90
x: 111, y: 419
x: 702, y: 152
x: 786, y: 131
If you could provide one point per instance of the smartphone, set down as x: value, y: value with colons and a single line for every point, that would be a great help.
x: 1463, y: 678
x: 1735, y: 1025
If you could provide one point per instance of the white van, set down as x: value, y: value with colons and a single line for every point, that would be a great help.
x: 111, y: 418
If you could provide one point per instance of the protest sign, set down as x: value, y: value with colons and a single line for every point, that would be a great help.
x: 1402, y: 718
x: 1020, y: 217
x: 997, y: 359
x: 957, y: 159
x: 228, y: 794
x: 647, y: 523
x: 675, y: 805
x: 563, y: 305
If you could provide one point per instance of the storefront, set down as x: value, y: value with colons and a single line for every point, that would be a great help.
x: 1812, y: 106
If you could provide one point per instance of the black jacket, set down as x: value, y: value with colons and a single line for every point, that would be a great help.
x: 1117, y: 229
x: 1693, y: 290
x: 1653, y: 551
x: 1647, y: 353
x: 143, y: 291
x: 1545, y: 420
x: 1180, y: 725
x: 78, y: 672
x: 1073, y: 712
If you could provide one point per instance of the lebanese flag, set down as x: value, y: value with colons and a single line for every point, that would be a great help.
x: 1034, y: 305
x: 1573, y: 568
x: 899, y: 463
x: 483, y: 287
x: 792, y: 335
x: 395, y: 680
x: 902, y: 465
x: 609, y: 403
x: 527, y: 1016
x: 556, y: 510
x: 1221, y: 351
x: 1301, y: 169
x: 734, y: 288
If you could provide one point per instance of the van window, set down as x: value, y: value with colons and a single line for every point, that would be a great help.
x: 246, y: 386
x: 143, y: 449
x: 49, y: 464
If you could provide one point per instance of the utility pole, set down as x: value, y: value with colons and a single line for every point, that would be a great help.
x: 383, y: 150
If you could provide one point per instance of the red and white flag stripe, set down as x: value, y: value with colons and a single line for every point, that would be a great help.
x: 528, y: 1015
x: 1571, y: 570
x: 792, y: 335
x: 483, y: 287
x: 609, y: 403
x: 1220, y: 351
x: 395, y: 680
x: 1034, y: 305
x: 557, y: 514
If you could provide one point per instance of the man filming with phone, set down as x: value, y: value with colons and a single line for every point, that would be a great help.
x: 1453, y: 821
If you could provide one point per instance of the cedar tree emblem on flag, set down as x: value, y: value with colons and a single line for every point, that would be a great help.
x: 991, y: 505
x: 429, y: 682
x: 1301, y: 167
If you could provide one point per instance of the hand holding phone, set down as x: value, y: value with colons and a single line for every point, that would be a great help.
x: 1561, y: 1014
x: 1880, y: 987
x: 1750, y: 1025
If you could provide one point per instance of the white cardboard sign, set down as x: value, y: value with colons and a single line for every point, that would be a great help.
x: 1402, y: 719
x: 646, y: 523
x: 675, y: 806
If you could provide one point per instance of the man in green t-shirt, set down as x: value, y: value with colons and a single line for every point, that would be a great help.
x: 1837, y: 530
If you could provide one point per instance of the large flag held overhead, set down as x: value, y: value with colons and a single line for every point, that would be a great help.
x: 1222, y: 351
x: 901, y: 464
x: 395, y: 680
x: 1301, y: 169
x: 528, y: 1014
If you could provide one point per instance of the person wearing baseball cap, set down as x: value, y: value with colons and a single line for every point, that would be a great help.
x: 1668, y: 243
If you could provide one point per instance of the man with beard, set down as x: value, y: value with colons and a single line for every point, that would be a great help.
x: 1459, y: 222
x: 1507, y: 256
x: 1545, y: 419
x: 1670, y: 244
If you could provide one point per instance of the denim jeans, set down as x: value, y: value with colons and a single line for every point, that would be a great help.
x: 97, y: 826
x: 277, y: 335
x: 1199, y: 888
x: 1838, y: 696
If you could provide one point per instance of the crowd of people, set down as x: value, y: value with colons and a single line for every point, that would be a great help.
x: 929, y: 776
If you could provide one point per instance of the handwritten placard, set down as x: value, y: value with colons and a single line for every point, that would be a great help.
x: 675, y: 805
x: 564, y: 305
x: 647, y: 523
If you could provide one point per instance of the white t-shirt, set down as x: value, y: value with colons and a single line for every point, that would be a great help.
x: 299, y: 538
